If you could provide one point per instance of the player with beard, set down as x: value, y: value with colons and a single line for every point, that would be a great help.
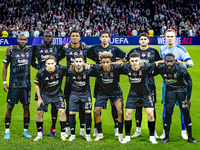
x: 183, y: 57
x: 93, y: 53
x: 40, y: 52
x: 108, y: 80
x: 19, y: 83
x: 80, y: 95
x: 70, y: 52
x: 139, y: 93
x: 147, y: 55
x: 48, y: 83
x: 178, y: 88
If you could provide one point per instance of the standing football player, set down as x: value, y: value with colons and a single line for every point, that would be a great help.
x: 48, y: 83
x: 183, y: 57
x: 19, y: 84
x: 147, y: 55
x: 178, y: 88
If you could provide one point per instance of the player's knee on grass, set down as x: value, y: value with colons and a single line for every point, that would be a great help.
x: 62, y: 114
x: 129, y: 114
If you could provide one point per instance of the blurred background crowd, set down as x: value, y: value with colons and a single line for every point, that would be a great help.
x: 120, y: 17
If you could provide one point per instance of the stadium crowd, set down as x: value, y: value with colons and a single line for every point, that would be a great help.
x: 121, y: 18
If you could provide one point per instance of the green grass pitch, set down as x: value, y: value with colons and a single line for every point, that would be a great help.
x: 110, y: 141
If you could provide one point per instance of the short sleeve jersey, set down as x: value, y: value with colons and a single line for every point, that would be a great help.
x: 148, y: 56
x: 41, y: 52
x: 20, y: 62
x: 94, y: 51
x: 50, y: 83
x: 139, y: 78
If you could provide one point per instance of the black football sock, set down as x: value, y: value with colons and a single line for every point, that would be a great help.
x: 88, y: 120
x: 168, y: 120
x: 128, y: 125
x: 82, y: 117
x: 54, y: 113
x: 7, y: 122
x: 187, y: 121
x: 120, y: 126
x: 72, y: 122
x: 39, y: 126
x: 99, y: 129
x: 151, y: 126
x: 115, y: 115
x: 154, y: 113
x: 138, y: 116
x: 67, y: 114
x: 26, y: 122
x: 63, y: 125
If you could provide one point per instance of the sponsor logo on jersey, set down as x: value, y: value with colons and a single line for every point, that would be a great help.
x: 52, y: 77
x: 22, y: 55
x: 46, y: 51
x: 53, y: 83
x: 41, y: 51
x: 17, y: 55
x: 143, y: 54
x: 46, y: 78
x: 164, y: 75
x: 135, y: 74
x: 170, y: 81
x: 79, y: 77
x: 22, y: 62
x: 84, y: 76
x: 145, y: 61
x: 135, y: 80
x: 170, y: 75
x: 106, y: 81
x: 80, y: 83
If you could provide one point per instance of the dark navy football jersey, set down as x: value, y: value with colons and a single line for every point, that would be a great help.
x: 20, y: 62
x: 50, y: 83
x: 148, y: 56
x: 176, y: 79
x: 80, y: 81
x: 41, y: 52
x: 71, y: 52
x: 139, y: 78
x: 94, y: 51
x: 108, y: 81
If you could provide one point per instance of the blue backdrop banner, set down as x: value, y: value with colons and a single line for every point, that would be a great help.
x: 95, y: 40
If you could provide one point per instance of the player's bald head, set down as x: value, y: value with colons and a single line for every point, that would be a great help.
x: 22, y: 36
x: 47, y: 31
x: 22, y: 40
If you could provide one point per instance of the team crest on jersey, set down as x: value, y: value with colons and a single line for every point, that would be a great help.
x: 164, y: 75
x: 106, y: 75
x: 170, y: 75
x: 75, y: 53
x: 17, y: 55
x: 143, y: 54
x: 46, y: 51
x: 22, y: 55
x: 84, y: 76
x: 111, y: 74
x: 175, y: 76
x: 135, y: 74
x: 41, y: 51
x: 52, y: 77
x: 79, y: 77
x: 148, y: 54
x: 140, y: 72
x: 89, y: 99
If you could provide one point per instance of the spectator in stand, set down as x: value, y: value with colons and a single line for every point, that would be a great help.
x: 1, y: 32
x: 129, y: 32
x: 36, y: 33
x: 26, y: 33
x: 63, y: 34
x: 4, y: 33
x: 134, y: 32
x: 31, y: 32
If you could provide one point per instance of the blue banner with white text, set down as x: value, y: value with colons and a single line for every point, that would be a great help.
x: 95, y: 40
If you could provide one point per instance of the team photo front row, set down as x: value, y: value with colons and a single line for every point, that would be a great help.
x: 107, y: 71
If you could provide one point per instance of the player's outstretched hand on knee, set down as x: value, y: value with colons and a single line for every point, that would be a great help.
x: 39, y: 102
